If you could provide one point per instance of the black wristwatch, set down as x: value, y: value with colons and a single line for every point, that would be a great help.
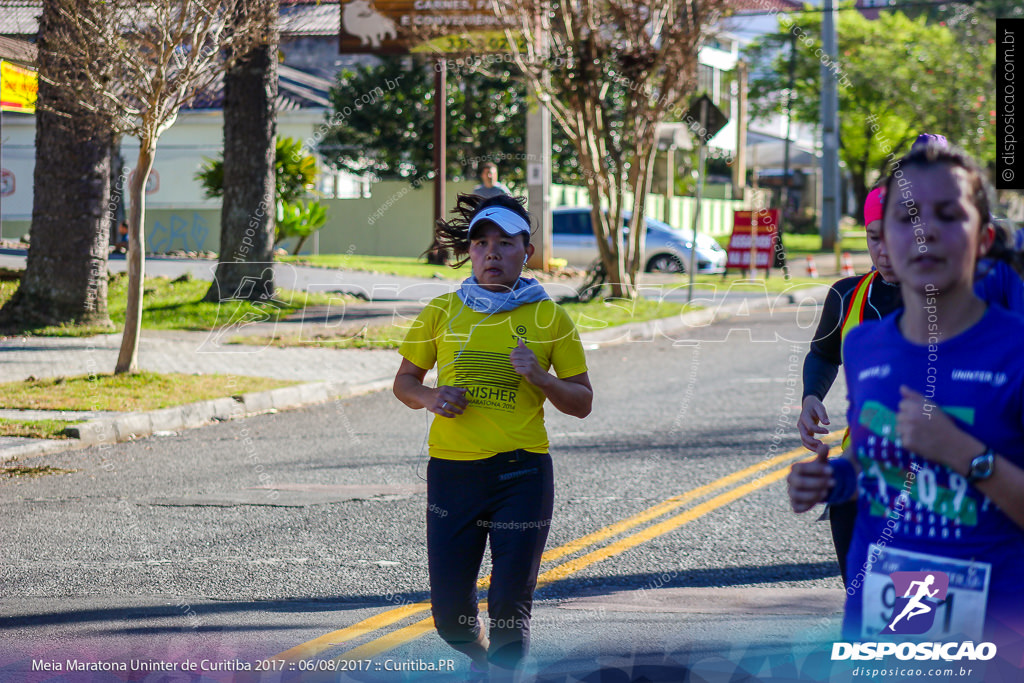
x: 982, y: 466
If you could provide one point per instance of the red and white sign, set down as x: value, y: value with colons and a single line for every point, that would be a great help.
x: 753, y: 232
x: 7, y: 183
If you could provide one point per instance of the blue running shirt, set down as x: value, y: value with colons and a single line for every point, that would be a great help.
x: 908, y: 503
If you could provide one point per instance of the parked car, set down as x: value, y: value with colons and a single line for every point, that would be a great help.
x: 667, y: 249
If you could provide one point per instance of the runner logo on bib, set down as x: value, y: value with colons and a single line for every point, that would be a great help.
x: 918, y: 594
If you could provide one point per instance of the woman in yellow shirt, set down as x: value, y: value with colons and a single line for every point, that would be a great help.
x: 490, y: 475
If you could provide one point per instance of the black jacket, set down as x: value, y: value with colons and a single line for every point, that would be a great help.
x: 822, y: 363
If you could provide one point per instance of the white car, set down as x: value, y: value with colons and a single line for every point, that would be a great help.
x: 667, y: 249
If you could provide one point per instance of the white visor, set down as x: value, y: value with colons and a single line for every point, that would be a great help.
x: 510, y: 222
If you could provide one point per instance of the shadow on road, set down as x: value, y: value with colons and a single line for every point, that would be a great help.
x: 573, y: 587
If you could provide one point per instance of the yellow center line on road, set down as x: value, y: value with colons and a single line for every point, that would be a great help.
x: 317, y: 645
x: 421, y: 628
x: 675, y: 502
x: 661, y: 528
x: 314, y: 647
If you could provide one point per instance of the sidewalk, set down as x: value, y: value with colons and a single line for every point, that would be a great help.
x: 326, y: 374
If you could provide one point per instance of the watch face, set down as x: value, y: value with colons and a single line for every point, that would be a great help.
x: 981, y: 466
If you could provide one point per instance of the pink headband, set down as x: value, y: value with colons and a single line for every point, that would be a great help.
x: 873, y: 206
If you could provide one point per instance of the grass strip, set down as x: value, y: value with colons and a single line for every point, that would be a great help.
x: 802, y: 245
x: 178, y: 305
x: 367, y: 337
x: 35, y: 429
x: 594, y: 315
x: 127, y: 393
x: 36, y: 471
x: 601, y: 313
x: 405, y: 266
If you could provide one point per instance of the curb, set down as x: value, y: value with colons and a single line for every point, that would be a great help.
x: 666, y: 327
x: 130, y: 426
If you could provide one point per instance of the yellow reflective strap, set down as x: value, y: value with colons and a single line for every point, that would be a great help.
x: 854, y: 317
x: 855, y: 314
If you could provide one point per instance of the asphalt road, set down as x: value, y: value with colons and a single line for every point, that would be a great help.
x: 239, y: 541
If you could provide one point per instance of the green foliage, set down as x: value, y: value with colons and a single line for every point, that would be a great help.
x: 929, y: 80
x: 383, y: 123
x: 211, y: 176
x: 298, y: 219
x: 973, y: 22
x: 294, y: 172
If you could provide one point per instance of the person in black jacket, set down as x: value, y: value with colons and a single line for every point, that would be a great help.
x: 849, y: 302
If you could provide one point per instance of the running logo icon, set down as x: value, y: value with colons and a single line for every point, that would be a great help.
x: 917, y: 596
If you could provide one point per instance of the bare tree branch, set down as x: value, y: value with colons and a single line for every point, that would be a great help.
x: 610, y: 71
x: 147, y: 60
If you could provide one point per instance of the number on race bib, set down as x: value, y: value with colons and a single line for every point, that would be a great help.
x: 961, y: 612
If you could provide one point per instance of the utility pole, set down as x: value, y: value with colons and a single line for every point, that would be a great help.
x: 829, y: 132
x: 436, y: 255
x: 538, y: 180
x: 739, y: 166
x: 784, y: 201
x: 538, y: 161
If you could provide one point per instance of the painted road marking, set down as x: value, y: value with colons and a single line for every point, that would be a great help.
x: 673, y: 503
x: 405, y: 635
x: 317, y: 645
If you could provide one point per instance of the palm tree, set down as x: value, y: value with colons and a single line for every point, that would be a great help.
x: 245, y: 268
x: 65, y: 279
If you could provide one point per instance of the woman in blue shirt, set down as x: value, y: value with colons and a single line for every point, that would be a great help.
x: 936, y: 394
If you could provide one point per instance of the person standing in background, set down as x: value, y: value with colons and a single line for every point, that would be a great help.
x: 489, y: 185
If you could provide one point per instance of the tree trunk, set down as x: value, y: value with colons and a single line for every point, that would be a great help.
x: 128, y: 357
x: 248, y: 210
x: 638, y: 226
x: 118, y: 186
x: 858, y: 178
x: 65, y: 278
x: 615, y: 260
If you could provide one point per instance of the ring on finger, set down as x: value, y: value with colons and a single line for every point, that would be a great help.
x: 444, y: 405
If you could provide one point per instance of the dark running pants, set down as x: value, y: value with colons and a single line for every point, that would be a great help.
x: 507, y: 498
x: 842, y: 518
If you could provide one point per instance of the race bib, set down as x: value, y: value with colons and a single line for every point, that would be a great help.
x: 924, y: 597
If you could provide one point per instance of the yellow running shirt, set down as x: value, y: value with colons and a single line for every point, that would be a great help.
x: 471, y: 350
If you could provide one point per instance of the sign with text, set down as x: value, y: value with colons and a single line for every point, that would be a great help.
x: 1009, y: 121
x: 18, y: 88
x: 390, y: 27
x: 753, y: 232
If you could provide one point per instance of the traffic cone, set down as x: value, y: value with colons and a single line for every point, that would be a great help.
x: 847, y: 270
x: 812, y: 270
